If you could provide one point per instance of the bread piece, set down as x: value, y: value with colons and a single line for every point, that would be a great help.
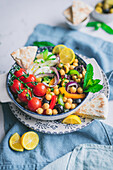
x: 68, y: 14
x: 25, y: 56
x: 80, y: 11
x: 97, y: 108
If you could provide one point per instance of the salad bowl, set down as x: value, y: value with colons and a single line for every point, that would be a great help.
x: 9, y: 97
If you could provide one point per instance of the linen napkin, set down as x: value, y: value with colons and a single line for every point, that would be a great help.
x: 52, y: 147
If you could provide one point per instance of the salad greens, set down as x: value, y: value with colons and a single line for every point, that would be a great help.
x: 91, y: 85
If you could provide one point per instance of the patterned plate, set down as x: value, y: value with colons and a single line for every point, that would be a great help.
x: 55, y: 127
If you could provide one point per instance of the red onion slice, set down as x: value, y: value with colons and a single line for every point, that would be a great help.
x: 73, y: 83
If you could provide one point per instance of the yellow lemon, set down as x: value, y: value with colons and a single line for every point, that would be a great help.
x: 57, y: 49
x: 72, y: 119
x: 15, y: 143
x: 67, y: 55
x: 29, y: 140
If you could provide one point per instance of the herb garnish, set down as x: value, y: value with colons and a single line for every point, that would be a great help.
x: 91, y: 85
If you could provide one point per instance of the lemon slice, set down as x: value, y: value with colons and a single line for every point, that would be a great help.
x: 15, y: 143
x: 57, y: 49
x: 67, y: 55
x: 72, y: 119
x: 29, y: 140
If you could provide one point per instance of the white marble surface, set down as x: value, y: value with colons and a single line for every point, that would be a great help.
x: 17, y: 21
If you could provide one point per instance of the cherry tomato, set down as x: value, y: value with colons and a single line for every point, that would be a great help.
x: 15, y: 86
x: 34, y: 104
x: 30, y: 78
x: 39, y: 89
x: 23, y: 96
x: 19, y: 73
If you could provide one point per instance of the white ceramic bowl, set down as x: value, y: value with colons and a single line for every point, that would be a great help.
x: 102, y: 17
x: 79, y: 26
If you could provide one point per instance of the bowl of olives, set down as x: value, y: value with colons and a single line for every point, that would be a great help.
x: 103, y: 11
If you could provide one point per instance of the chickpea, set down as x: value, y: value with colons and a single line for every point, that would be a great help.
x: 66, y: 68
x: 54, y: 112
x: 73, y: 106
x: 75, y: 64
x: 78, y: 80
x: 83, y: 73
x: 64, y: 99
x: 76, y: 60
x: 55, y: 87
x: 68, y: 65
x: 72, y: 67
x: 62, y: 72
x: 51, y: 93
x: 69, y: 100
x: 73, y: 89
x: 56, y: 91
x: 60, y: 65
x: 39, y: 110
x: 39, y: 79
x: 45, y: 106
x: 80, y: 76
x: 74, y: 77
x: 49, y: 112
x: 80, y: 90
x: 64, y: 82
x: 48, y: 96
x: 67, y: 105
x: 18, y: 100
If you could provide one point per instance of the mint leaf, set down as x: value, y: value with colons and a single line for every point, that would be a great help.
x: 43, y: 44
x: 88, y: 75
x: 45, y: 54
x: 92, y: 82
x: 95, y: 88
x: 49, y: 57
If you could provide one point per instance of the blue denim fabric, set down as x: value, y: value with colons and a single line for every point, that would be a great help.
x: 52, y: 147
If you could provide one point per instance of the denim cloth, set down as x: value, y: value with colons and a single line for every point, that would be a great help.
x: 53, y: 147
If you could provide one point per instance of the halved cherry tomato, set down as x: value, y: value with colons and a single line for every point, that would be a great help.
x: 34, y: 104
x: 25, y: 95
x: 29, y: 79
x: 16, y: 85
x: 19, y: 73
x: 39, y: 89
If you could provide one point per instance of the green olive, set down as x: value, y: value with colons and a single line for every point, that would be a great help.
x: 99, y: 4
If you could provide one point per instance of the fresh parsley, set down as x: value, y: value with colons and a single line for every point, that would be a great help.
x: 91, y: 85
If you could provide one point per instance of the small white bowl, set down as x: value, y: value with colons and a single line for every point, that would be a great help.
x: 79, y: 26
x: 102, y: 17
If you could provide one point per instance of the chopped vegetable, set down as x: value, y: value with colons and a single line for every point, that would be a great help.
x: 69, y: 95
x: 60, y: 100
x: 73, y: 72
x: 53, y: 102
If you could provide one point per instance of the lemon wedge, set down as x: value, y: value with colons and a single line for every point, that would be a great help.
x: 57, y: 49
x: 72, y: 119
x: 15, y: 142
x: 67, y: 55
x: 30, y: 140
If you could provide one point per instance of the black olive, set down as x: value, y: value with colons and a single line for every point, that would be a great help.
x: 45, y: 101
x: 106, y: 11
x: 79, y: 69
x: 78, y: 101
x: 59, y: 108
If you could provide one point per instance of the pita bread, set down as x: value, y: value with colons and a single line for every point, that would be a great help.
x: 25, y: 56
x: 80, y: 11
x: 68, y: 14
x: 97, y: 108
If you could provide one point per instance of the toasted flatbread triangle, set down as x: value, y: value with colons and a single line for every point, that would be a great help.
x: 94, y: 109
x: 25, y: 56
x: 68, y: 13
x: 80, y: 11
